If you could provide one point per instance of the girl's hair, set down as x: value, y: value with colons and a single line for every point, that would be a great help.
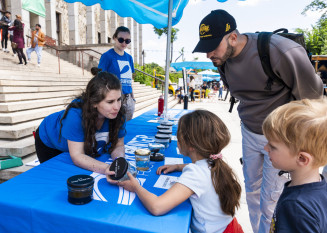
x: 121, y: 29
x: 191, y: 77
x: 18, y: 24
x: 207, y: 134
x: 96, y: 91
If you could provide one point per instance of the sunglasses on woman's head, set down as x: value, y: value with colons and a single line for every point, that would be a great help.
x: 121, y: 40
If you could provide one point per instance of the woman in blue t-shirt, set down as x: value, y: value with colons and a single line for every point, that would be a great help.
x: 92, y: 124
x: 120, y: 63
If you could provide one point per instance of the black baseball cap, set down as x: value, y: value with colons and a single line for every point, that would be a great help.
x: 212, y: 29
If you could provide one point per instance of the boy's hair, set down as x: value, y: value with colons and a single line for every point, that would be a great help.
x: 302, y: 126
x: 207, y: 134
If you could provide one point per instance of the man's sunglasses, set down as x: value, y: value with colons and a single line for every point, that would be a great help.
x: 121, y: 40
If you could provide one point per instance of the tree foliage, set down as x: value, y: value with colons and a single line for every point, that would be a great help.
x: 149, y: 69
x: 316, y: 38
x: 164, y: 31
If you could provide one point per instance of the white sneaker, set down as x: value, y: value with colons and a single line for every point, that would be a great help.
x: 15, y: 55
x: 3, y: 49
x: 7, y: 51
x: 38, y: 65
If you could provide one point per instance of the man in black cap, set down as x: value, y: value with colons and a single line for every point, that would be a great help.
x: 238, y: 62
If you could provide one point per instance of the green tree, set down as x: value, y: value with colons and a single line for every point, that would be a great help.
x: 317, y: 5
x: 316, y: 38
x: 164, y: 31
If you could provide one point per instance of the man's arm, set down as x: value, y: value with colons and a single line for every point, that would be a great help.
x: 299, y: 75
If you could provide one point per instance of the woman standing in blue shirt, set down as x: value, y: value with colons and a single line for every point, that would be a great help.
x: 120, y: 63
x: 92, y: 124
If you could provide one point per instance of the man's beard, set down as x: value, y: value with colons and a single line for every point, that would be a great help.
x: 229, y: 53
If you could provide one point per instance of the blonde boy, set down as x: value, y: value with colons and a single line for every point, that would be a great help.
x: 297, y: 143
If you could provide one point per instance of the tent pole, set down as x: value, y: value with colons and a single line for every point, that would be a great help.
x: 170, y: 10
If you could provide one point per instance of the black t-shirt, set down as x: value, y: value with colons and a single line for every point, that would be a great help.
x: 301, y: 208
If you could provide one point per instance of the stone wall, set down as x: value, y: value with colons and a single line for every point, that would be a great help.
x: 62, y: 8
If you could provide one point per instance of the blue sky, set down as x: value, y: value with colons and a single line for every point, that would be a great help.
x: 250, y: 15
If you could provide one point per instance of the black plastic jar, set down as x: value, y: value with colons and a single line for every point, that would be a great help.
x: 121, y: 166
x: 80, y: 189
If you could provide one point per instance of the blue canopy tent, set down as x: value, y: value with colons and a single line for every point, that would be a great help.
x: 178, y: 66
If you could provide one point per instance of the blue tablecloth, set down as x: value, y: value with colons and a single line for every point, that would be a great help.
x: 36, y: 201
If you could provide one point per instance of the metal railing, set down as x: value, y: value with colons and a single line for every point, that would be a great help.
x: 81, y: 51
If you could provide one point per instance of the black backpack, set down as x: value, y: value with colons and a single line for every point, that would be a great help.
x: 264, y: 54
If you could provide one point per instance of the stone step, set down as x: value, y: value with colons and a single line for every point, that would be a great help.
x: 19, y: 148
x: 147, y: 97
x: 41, y: 95
x: 144, y: 92
x: 19, y: 130
x: 28, y: 115
x: 33, y: 83
x: 32, y: 104
x: 19, y: 89
x: 44, y: 70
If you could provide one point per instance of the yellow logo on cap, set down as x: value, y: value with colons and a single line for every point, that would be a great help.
x: 204, y: 28
x: 227, y: 27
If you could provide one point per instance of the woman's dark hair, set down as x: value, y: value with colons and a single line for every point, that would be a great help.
x: 191, y: 77
x: 96, y: 91
x: 18, y: 24
x: 207, y: 134
x: 95, y: 71
x: 121, y: 29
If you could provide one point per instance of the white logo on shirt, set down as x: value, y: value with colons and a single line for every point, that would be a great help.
x: 126, y: 78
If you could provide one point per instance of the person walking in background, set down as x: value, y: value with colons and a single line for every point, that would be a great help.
x: 120, y: 63
x: 236, y: 56
x: 192, y: 88
x: 4, y: 25
x: 18, y: 38
x: 11, y: 36
x: 221, y: 88
x: 38, y: 40
x: 297, y: 137
x: 208, y: 182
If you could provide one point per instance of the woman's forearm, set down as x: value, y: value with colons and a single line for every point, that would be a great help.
x: 89, y: 163
x: 119, y: 151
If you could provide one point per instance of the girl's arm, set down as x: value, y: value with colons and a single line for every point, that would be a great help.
x: 119, y: 150
x: 158, y: 205
x: 80, y: 159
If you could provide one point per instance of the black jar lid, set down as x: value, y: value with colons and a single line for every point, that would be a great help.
x: 167, y: 123
x: 165, y: 131
x: 163, y: 127
x: 120, y: 167
x: 80, y: 181
x: 162, y: 136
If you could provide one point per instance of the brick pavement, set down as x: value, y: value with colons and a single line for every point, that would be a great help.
x: 233, y: 151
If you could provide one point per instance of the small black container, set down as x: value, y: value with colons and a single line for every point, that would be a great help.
x: 120, y: 166
x: 80, y: 189
x: 159, y: 127
x: 165, y: 131
x: 167, y: 123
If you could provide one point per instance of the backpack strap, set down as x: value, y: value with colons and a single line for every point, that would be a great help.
x: 264, y: 54
x: 232, y: 99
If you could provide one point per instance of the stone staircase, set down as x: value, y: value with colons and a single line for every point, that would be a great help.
x: 30, y: 93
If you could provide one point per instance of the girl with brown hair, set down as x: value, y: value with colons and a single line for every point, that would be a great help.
x: 208, y: 181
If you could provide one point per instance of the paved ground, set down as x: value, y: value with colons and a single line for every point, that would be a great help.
x: 233, y: 151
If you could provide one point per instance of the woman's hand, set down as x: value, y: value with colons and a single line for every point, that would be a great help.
x: 108, y: 173
x: 167, y: 169
x: 131, y: 185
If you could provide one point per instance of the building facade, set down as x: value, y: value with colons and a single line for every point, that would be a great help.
x: 74, y: 23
